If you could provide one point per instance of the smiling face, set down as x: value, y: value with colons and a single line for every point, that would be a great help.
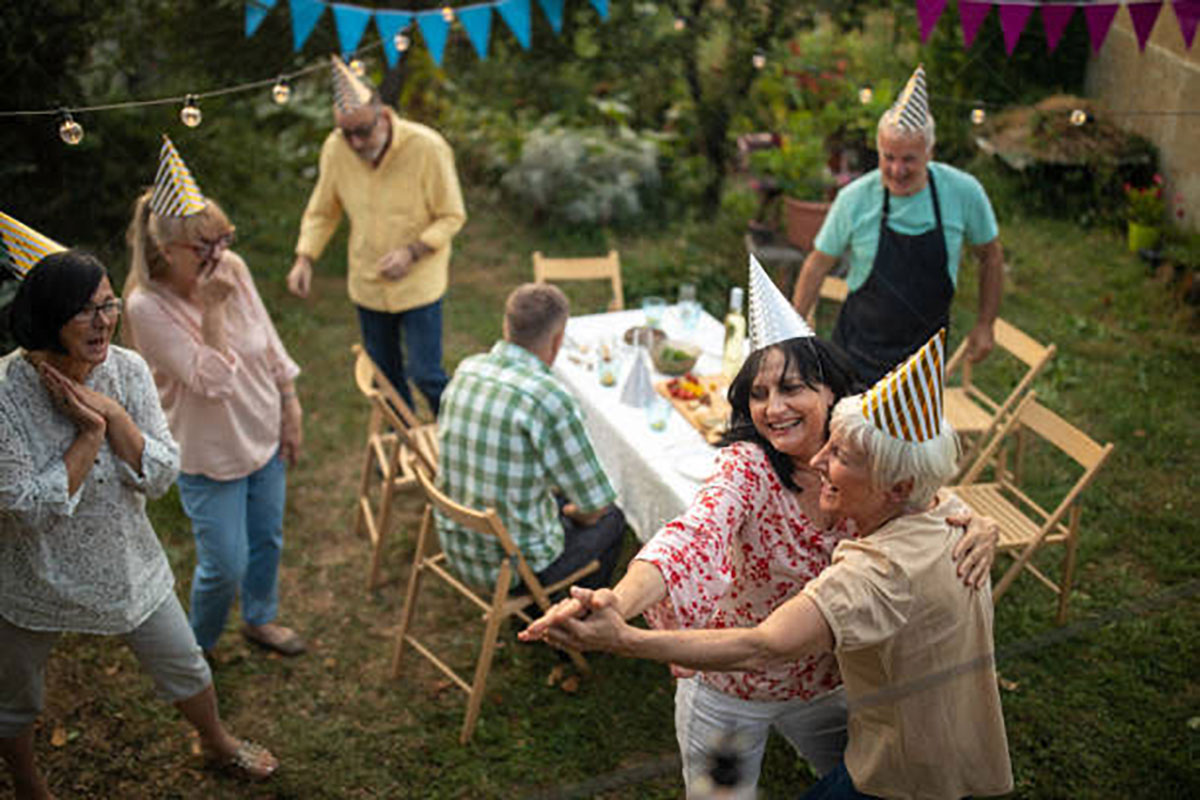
x: 903, y: 161
x: 846, y: 486
x: 86, y: 336
x: 365, y: 129
x: 786, y: 411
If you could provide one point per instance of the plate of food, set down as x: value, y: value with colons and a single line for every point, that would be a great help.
x: 701, y: 401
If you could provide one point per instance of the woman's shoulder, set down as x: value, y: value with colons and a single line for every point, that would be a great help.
x: 126, y: 362
x: 748, y: 453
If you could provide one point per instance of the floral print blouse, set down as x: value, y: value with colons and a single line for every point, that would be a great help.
x: 86, y: 562
x: 743, y: 547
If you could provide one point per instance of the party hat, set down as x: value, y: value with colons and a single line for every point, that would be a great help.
x: 21, y: 246
x: 639, y: 386
x: 910, y: 112
x: 772, y: 317
x: 349, y: 91
x: 175, y: 191
x: 907, y: 402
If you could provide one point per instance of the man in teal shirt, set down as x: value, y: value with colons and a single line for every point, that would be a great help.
x: 903, y: 227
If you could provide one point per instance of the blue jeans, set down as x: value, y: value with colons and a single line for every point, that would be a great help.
x: 384, y: 334
x: 238, y: 527
x: 836, y: 785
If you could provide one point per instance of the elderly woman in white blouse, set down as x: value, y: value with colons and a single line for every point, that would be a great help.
x: 84, y: 442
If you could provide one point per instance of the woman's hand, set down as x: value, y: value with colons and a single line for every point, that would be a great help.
x: 555, y: 615
x: 602, y: 629
x: 70, y: 399
x: 213, y: 289
x: 976, y: 550
x: 291, y: 428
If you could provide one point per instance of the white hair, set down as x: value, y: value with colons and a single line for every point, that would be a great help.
x: 890, y: 122
x: 929, y: 464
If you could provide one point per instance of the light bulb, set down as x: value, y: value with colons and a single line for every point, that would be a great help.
x: 282, y: 92
x: 1079, y: 117
x: 759, y: 59
x: 978, y: 115
x: 69, y: 130
x: 448, y: 13
x: 190, y: 114
x: 866, y: 94
x: 358, y: 67
x: 401, y: 41
x: 680, y: 23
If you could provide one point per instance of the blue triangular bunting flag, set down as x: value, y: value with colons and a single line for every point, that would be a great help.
x: 434, y: 29
x: 601, y: 7
x: 516, y: 14
x: 256, y: 12
x: 389, y: 24
x: 351, y: 22
x: 553, y: 9
x: 305, y: 14
x: 477, y: 21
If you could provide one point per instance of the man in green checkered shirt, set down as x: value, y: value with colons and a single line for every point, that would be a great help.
x: 509, y: 433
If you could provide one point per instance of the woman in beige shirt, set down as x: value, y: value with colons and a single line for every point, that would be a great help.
x: 226, y: 384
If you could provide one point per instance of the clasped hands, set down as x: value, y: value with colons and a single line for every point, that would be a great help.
x: 587, y: 620
x: 88, y: 409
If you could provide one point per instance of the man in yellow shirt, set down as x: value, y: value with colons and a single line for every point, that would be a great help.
x: 395, y: 180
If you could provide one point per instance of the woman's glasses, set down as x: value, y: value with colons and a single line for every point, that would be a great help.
x: 91, y: 313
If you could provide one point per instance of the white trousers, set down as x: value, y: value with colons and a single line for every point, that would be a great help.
x: 704, y: 717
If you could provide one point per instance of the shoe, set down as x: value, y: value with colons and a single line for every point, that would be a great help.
x: 250, y: 760
x: 288, y: 642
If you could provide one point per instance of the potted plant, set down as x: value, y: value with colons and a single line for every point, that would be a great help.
x: 799, y: 169
x: 1144, y: 214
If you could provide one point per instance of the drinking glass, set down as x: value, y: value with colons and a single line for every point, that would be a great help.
x: 608, y: 362
x: 654, y: 308
x: 658, y: 411
x: 688, y: 307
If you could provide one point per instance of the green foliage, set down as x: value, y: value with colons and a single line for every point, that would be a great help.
x: 1144, y: 204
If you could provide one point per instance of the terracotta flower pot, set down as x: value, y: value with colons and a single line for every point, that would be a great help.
x: 802, y: 221
x: 1142, y: 237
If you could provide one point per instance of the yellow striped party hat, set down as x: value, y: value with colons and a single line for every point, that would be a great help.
x: 911, y: 109
x: 21, y: 246
x: 349, y: 91
x: 175, y: 191
x: 907, y: 402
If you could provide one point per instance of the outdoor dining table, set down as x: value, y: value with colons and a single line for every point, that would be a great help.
x: 656, y: 473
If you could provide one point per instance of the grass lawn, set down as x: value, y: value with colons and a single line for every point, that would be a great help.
x: 1106, y: 707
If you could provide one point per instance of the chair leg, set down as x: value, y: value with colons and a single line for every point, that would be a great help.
x: 383, y: 518
x: 1072, y: 543
x: 482, y: 668
x: 410, y: 595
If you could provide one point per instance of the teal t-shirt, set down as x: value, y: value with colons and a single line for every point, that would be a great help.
x: 853, y: 222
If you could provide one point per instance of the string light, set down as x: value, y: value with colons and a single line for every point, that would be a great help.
x: 1079, y: 117
x: 69, y: 130
x: 448, y: 13
x: 978, y: 115
x: 866, y: 94
x: 357, y: 67
x: 759, y: 59
x: 190, y: 114
x: 282, y: 92
x: 680, y: 23
x: 401, y: 41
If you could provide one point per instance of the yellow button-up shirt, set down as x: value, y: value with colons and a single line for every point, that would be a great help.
x: 411, y: 195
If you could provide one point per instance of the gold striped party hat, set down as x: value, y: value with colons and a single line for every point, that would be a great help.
x: 21, y: 246
x: 907, y: 402
x: 911, y: 109
x: 175, y: 191
x: 772, y: 318
x: 349, y: 91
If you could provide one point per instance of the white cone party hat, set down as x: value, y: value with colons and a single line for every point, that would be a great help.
x: 911, y: 109
x: 349, y: 91
x: 638, y: 390
x: 772, y: 318
x: 907, y: 402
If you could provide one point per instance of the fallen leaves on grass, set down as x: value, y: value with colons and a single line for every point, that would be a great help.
x: 59, y: 737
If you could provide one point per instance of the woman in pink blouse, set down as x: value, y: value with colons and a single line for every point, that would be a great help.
x: 753, y: 537
x: 226, y: 384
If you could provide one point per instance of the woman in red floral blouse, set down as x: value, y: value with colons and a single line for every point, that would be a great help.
x: 752, y: 538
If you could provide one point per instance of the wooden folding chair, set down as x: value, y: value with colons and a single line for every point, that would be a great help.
x: 582, y: 269
x: 393, y: 428
x: 1024, y: 524
x: 502, y: 605
x: 974, y: 414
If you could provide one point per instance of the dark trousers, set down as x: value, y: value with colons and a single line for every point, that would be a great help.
x: 418, y: 331
x: 601, y: 541
x: 836, y: 785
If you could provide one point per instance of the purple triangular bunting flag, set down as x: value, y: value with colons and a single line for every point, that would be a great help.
x: 1099, y: 20
x: 929, y: 12
x: 1144, y: 16
x: 1054, y: 20
x: 971, y: 15
x: 1012, y: 23
x: 1188, y: 14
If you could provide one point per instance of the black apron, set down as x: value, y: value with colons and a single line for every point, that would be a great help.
x: 904, y: 301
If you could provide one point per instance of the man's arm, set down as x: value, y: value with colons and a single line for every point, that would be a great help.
x: 991, y: 288
x: 321, y: 218
x: 808, y: 285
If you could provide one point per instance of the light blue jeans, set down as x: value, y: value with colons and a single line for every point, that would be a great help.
x: 238, y: 527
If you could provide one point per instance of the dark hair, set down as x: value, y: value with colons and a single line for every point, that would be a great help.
x: 55, y: 289
x: 819, y: 363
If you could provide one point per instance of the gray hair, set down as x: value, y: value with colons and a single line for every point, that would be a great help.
x: 533, y: 312
x: 890, y: 122
x: 930, y: 464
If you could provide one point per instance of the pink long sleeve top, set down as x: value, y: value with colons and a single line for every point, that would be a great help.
x: 743, y: 547
x: 224, y: 410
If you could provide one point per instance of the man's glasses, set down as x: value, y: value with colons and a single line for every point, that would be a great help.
x: 92, y: 312
x: 362, y: 131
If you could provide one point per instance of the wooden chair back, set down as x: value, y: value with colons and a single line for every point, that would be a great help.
x: 501, y: 606
x: 1025, y: 525
x: 608, y: 267
x: 833, y: 289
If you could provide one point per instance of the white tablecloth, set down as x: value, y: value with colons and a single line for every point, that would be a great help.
x: 656, y: 473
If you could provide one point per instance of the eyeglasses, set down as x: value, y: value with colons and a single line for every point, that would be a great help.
x: 91, y: 312
x: 206, y: 249
x: 362, y: 131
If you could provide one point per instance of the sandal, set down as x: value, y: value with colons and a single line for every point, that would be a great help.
x: 290, y: 644
x: 250, y: 760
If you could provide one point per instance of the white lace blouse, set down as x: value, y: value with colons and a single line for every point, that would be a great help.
x: 87, y: 562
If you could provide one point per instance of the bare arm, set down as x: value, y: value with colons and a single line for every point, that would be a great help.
x: 991, y: 288
x: 641, y: 587
x: 808, y: 285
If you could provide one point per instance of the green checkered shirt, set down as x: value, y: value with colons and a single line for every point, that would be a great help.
x: 508, y: 432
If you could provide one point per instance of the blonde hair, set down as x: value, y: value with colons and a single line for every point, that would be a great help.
x: 149, y: 234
